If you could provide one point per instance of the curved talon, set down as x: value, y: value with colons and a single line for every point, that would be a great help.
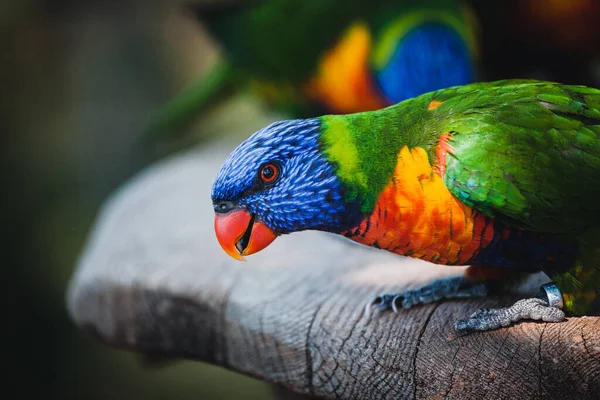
x: 385, y: 302
x: 394, y: 300
x: 380, y: 303
x: 376, y: 302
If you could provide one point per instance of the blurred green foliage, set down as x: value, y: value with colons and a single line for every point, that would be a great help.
x: 78, y: 79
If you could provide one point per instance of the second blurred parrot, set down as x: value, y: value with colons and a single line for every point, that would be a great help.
x: 307, y: 57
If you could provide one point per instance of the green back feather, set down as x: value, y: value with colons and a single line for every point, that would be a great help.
x: 527, y: 153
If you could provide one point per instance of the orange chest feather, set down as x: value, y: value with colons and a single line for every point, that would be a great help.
x: 417, y: 216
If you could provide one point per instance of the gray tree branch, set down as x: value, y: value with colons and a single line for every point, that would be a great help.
x: 153, y: 279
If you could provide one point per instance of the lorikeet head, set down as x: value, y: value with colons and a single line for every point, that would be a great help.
x: 276, y: 182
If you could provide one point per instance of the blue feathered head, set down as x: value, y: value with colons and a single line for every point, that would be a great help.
x: 277, y: 181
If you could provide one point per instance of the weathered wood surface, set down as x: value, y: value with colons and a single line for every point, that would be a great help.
x: 154, y: 279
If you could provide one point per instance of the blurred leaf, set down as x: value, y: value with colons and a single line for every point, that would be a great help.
x: 169, y: 122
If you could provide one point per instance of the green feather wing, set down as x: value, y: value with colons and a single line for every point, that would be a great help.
x: 525, y: 152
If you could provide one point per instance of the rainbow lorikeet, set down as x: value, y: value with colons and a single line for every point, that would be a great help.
x: 500, y: 176
x: 307, y: 57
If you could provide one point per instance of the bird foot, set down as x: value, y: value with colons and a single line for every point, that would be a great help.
x: 488, y: 319
x: 546, y: 307
x: 455, y: 287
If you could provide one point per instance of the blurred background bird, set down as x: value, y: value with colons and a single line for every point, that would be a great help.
x: 309, y: 57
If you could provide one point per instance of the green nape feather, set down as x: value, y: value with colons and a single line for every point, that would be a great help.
x: 365, y: 162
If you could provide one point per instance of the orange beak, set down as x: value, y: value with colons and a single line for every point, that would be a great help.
x: 239, y: 234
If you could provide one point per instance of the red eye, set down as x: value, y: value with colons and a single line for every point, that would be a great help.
x: 268, y: 173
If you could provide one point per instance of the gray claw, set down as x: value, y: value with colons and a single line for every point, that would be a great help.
x: 395, y: 301
x: 489, y: 319
x: 381, y: 303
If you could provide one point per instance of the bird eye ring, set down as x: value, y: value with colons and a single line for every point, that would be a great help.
x: 269, y: 172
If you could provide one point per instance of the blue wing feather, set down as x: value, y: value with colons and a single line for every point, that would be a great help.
x: 430, y: 56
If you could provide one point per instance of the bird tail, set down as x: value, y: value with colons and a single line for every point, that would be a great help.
x: 580, y: 283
